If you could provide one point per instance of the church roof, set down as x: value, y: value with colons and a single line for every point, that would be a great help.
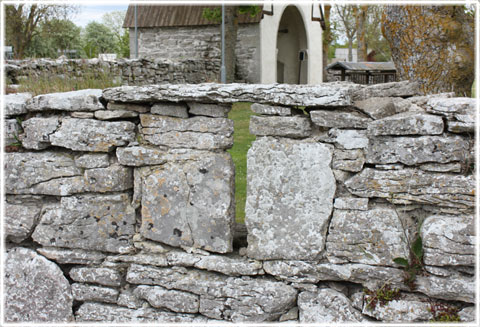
x: 170, y: 16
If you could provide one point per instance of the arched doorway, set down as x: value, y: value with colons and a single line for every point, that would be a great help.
x: 292, y: 52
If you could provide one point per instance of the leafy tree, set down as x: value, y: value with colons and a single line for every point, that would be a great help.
x: 98, y: 38
x: 373, y: 34
x: 114, y: 21
x: 360, y: 13
x: 347, y: 25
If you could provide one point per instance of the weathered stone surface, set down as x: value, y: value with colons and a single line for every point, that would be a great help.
x: 377, y: 108
x: 84, y: 292
x: 90, y: 222
x: 231, y: 265
x: 129, y: 300
x: 454, y: 167
x: 141, y: 156
x: 82, y: 114
x: 115, y: 178
x: 35, y: 289
x: 12, y: 131
x: 92, y: 135
x: 455, y: 288
x: 235, y: 299
x: 348, y: 139
x: 92, y: 160
x: 190, y: 203
x: 417, y: 150
x: 142, y: 108
x: 289, y: 198
x: 415, y: 186
x: 406, y: 105
x: 449, y: 240
x: 339, y: 119
x: 460, y: 112
x: 207, y: 109
x: 176, y: 301
x: 83, y: 100
x: 295, y: 126
x: 164, y: 124
x: 292, y: 270
x: 408, y: 123
x: 102, y: 276
x: 351, y: 203
x: 269, y: 110
x: 20, y: 220
x: 395, y: 89
x: 281, y: 94
x: 72, y: 256
x: 110, y: 313
x: 154, y: 259
x: 348, y: 160
x: 192, y: 140
x: 467, y: 314
x: 15, y: 104
x: 326, y: 306
x: 409, y: 308
x: 372, y: 237
x: 170, y: 109
x: 115, y: 114
x: 291, y: 315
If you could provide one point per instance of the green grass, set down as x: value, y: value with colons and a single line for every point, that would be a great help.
x: 240, y: 114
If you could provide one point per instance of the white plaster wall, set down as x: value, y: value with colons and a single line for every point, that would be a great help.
x: 268, y: 44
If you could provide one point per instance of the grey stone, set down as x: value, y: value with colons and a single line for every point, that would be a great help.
x: 92, y: 160
x: 394, y: 89
x: 295, y: 126
x: 83, y: 100
x: 13, y: 132
x: 293, y: 271
x: 289, y: 198
x: 269, y: 110
x: 348, y: 160
x: 102, y: 276
x: 192, y: 140
x: 190, y: 203
x: 207, y: 109
x: 348, y: 139
x: 176, y: 301
x: 455, y: 288
x: 415, y: 186
x: 326, y: 306
x: 20, y: 220
x: 154, y: 259
x: 84, y: 292
x: 417, y: 150
x: 141, y: 108
x: 82, y: 114
x: 129, y: 300
x: 406, y: 105
x: 409, y: 308
x: 467, y: 314
x: 231, y: 265
x: 460, y: 112
x: 15, y: 104
x: 377, y: 108
x: 115, y: 178
x: 35, y: 289
x: 372, y: 237
x: 454, y: 167
x: 449, y: 240
x: 291, y: 315
x: 114, y: 114
x: 339, y: 119
x: 72, y: 256
x: 408, y: 123
x: 90, y: 222
x: 170, y: 109
x: 141, y: 156
x: 278, y: 94
x: 92, y: 135
x: 351, y: 203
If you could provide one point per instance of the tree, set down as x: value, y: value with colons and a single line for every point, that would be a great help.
x: 328, y: 37
x: 361, y: 22
x: 347, y: 25
x: 374, y: 38
x: 114, y: 21
x: 22, y: 23
x: 433, y: 45
x: 98, y: 39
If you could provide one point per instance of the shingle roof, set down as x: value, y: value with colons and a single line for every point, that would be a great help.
x: 362, y: 66
x: 168, y: 15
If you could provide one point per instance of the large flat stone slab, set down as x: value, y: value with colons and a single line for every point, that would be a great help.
x: 37, y: 132
x: 287, y: 126
x: 83, y: 100
x: 289, y: 198
x: 339, y: 119
x: 460, y: 112
x: 20, y: 220
x: 407, y: 123
x: 15, y: 104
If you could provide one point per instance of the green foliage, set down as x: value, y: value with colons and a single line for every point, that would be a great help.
x: 412, y: 266
x: 444, y: 313
x: 99, y: 39
x: 215, y: 14
x: 114, y: 22
x: 381, y: 296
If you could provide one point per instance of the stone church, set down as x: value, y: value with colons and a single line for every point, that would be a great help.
x: 283, y: 43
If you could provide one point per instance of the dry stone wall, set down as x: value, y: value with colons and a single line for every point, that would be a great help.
x: 120, y: 205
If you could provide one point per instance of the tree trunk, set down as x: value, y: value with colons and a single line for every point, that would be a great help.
x: 433, y: 45
x: 361, y: 19
x: 231, y: 27
x: 350, y: 49
x: 327, y: 39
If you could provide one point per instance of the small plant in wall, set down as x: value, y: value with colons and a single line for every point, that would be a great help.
x: 381, y: 296
x: 17, y: 145
x: 414, y: 265
x: 444, y: 313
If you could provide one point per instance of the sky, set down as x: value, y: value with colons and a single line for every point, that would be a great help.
x: 90, y: 13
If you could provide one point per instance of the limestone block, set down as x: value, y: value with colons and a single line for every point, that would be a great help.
x: 115, y: 114
x: 339, y: 119
x: 176, y: 301
x: 348, y: 160
x: 191, y: 140
x: 85, y: 292
x: 83, y: 100
x: 82, y: 114
x: 114, y: 178
x: 460, y: 112
x: 417, y: 150
x: 289, y: 198
x: 129, y: 300
x: 295, y: 126
x: 409, y: 308
x: 15, y: 104
x: 326, y: 306
x: 269, y: 110
x: 351, y: 203
x: 372, y: 237
x: 452, y: 288
x: 92, y: 160
x: 454, y: 167
x: 208, y: 109
x: 293, y: 271
x: 449, y: 240
x: 92, y: 135
x: 408, y: 123
x: 20, y: 220
x: 348, y: 139
x: 90, y: 222
x: 170, y: 109
x: 415, y: 186
x: 195, y: 124
x: 230, y: 265
x: 102, y: 276
x: 377, y: 108
x: 401, y: 89
x: 190, y: 203
x: 467, y: 314
x: 137, y: 107
x: 35, y: 289
x: 72, y: 256
x: 141, y: 156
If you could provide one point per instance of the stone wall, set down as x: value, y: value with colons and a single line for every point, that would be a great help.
x: 120, y: 205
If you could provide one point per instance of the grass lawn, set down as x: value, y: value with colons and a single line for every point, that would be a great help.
x: 240, y: 114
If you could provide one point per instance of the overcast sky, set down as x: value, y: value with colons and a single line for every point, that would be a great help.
x: 90, y: 13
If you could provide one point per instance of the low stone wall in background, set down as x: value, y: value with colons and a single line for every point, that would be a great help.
x: 120, y: 205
